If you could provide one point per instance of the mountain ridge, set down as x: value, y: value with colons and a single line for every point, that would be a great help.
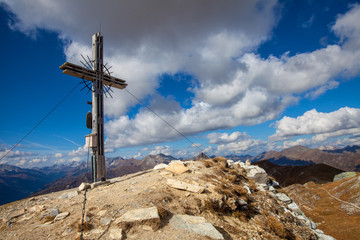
x: 288, y: 175
x: 344, y: 160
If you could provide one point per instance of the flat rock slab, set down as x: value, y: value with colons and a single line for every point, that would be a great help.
x: 195, y: 224
x: 177, y: 168
x: 185, y: 186
x: 84, y: 186
x: 105, y: 221
x: 257, y: 174
x: 68, y: 195
x: 116, y: 233
x: 61, y: 216
x: 37, y: 208
x: 294, y: 207
x: 54, y: 212
x: 283, y: 197
x: 160, y: 166
x: 147, y: 216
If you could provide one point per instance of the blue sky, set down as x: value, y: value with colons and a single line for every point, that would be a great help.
x: 236, y: 77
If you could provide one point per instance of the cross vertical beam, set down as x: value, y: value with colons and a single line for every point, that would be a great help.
x: 98, y: 78
x: 98, y: 157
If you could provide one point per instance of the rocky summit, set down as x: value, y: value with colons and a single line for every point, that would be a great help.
x: 204, y: 199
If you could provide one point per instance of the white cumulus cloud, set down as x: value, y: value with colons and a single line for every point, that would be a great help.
x: 161, y: 149
x: 221, y: 138
x: 340, y: 122
x: 213, y: 41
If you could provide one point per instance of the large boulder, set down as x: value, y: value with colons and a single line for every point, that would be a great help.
x: 257, y: 174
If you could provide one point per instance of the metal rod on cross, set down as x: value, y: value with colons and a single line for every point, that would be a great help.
x: 98, y: 78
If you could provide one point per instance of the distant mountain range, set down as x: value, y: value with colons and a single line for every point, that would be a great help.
x: 17, y: 183
x: 346, y: 159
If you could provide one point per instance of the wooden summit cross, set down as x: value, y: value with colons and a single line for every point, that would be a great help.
x: 98, y: 78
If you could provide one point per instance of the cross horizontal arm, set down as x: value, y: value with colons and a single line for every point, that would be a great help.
x: 90, y: 75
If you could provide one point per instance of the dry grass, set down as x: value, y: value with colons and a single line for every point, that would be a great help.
x: 208, y: 163
x: 231, y: 191
x: 221, y: 162
x: 87, y: 226
x: 163, y: 213
x: 276, y: 226
x: 89, y: 214
x: 330, y: 213
x: 92, y: 208
x: 2, y: 227
x: 252, y: 185
x: 155, y: 224
x: 240, y: 215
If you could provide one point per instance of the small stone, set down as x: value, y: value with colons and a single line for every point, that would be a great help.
x: 61, y: 216
x: 241, y: 202
x: 257, y: 174
x: 272, y: 189
x: 116, y: 233
x: 18, y: 213
x: 84, y: 186
x: 97, y: 231
x: 8, y: 224
x: 247, y: 189
x: 230, y: 163
x: 67, y: 231
x: 101, y: 213
x: 177, y: 168
x: 53, y: 212
x: 147, y: 228
x: 312, y: 225
x: 275, y: 184
x: 37, y: 208
x: 187, y: 194
x: 68, y: 195
x: 160, y: 166
x: 185, y: 186
x: 25, y: 218
x: 105, y: 221
x: 294, y: 207
x: 283, y: 197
